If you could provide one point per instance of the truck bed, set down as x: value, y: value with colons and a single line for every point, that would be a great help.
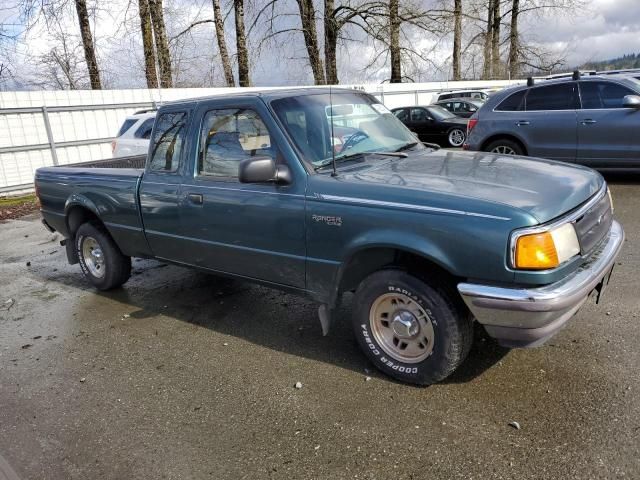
x: 108, y: 193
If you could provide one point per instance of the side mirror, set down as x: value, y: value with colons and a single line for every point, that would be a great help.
x: 263, y: 170
x: 631, y: 101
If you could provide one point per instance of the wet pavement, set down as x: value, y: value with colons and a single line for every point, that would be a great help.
x: 184, y: 375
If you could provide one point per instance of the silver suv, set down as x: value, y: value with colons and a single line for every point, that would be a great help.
x: 592, y: 120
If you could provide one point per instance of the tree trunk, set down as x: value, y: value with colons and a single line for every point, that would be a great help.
x: 394, y: 42
x: 147, y: 44
x: 222, y: 44
x: 513, y: 40
x: 496, y: 70
x: 330, y: 42
x: 457, y: 37
x: 87, y: 43
x: 241, y: 45
x: 162, y: 44
x: 488, y: 40
x: 308, y: 19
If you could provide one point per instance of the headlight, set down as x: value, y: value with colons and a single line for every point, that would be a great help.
x: 544, y: 249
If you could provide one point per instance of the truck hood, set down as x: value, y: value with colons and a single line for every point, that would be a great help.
x: 544, y: 189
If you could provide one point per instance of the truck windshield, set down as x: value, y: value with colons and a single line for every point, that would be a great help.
x: 341, y: 124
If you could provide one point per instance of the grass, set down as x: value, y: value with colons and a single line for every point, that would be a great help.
x: 13, y: 201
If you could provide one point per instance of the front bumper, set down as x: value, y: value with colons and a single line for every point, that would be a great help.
x: 528, y: 317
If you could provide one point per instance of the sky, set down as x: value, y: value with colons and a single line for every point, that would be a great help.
x: 602, y: 29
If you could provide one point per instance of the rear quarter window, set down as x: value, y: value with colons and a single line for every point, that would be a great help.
x: 168, y: 141
x: 144, y: 130
x: 128, y: 123
x: 513, y: 103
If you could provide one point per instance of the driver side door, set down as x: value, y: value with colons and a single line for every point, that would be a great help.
x: 253, y: 230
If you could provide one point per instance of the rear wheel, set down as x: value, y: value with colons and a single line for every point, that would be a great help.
x: 102, y: 262
x: 505, y: 147
x: 413, y: 330
x: 456, y: 137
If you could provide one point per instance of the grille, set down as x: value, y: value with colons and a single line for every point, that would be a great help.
x: 594, y: 225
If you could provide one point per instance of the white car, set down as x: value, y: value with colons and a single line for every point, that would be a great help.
x: 473, y: 94
x: 134, y: 134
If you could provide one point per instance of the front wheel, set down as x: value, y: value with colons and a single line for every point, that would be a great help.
x: 456, y: 137
x: 102, y: 262
x: 413, y: 330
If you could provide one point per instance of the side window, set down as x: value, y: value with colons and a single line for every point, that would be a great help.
x: 552, y: 97
x: 402, y: 114
x: 513, y: 103
x: 419, y: 115
x: 144, y: 130
x: 599, y: 95
x: 126, y: 126
x: 168, y: 141
x: 229, y: 136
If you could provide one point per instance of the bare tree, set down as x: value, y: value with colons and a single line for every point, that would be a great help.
x: 87, y: 43
x: 457, y: 37
x: 525, y: 52
x: 62, y: 66
x: 394, y: 27
x: 244, y: 79
x: 394, y: 41
x: 162, y: 43
x: 308, y: 20
x: 496, y: 65
x: 331, y: 29
x: 147, y: 44
x: 513, y: 40
x: 222, y: 44
x: 488, y: 40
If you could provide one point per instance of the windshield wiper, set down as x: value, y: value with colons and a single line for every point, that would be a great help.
x: 351, y: 156
x: 407, y: 146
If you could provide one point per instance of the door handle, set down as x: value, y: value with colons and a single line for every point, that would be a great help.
x: 588, y: 121
x: 523, y: 123
x: 195, y: 198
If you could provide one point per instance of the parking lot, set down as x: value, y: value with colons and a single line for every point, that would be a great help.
x: 183, y: 375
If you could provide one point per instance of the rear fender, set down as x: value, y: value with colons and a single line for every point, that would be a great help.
x: 81, y: 204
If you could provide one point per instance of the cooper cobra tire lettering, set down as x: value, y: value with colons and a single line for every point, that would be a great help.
x: 450, y: 324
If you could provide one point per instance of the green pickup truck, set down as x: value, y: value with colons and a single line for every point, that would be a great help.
x: 323, y: 192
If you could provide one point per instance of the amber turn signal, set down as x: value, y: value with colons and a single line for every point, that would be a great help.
x: 536, y: 252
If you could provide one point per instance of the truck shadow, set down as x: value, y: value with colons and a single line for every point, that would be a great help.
x: 269, y: 318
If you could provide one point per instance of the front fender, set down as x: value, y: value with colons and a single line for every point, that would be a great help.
x: 408, y: 242
x: 380, y: 243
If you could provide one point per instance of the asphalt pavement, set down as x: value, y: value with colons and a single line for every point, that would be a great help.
x: 180, y: 375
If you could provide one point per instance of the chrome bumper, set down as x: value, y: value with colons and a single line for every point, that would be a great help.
x: 521, y: 317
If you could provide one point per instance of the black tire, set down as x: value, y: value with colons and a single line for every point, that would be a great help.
x: 460, y: 131
x: 505, y: 143
x: 451, y: 321
x: 115, y: 268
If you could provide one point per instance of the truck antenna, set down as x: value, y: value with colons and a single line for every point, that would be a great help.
x: 333, y: 151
